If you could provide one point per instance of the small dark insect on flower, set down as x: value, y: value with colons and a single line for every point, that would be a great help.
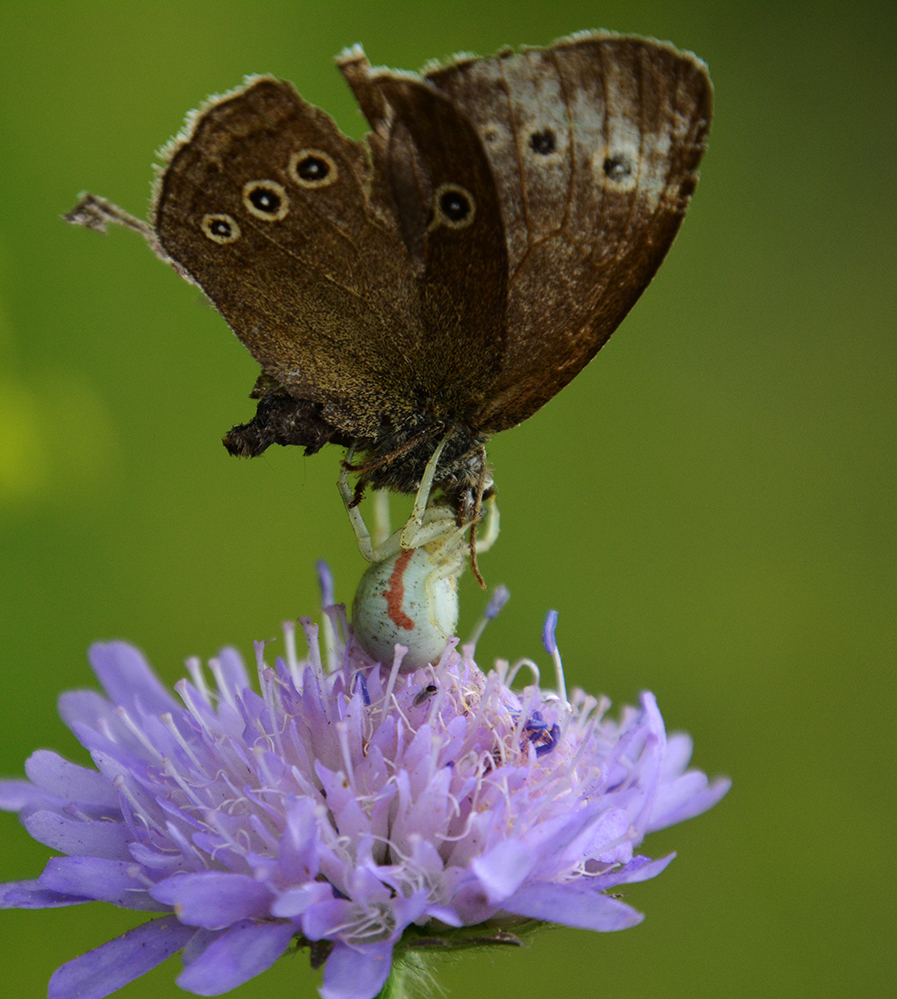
x: 425, y: 694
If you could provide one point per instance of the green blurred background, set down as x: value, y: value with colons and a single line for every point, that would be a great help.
x: 709, y: 506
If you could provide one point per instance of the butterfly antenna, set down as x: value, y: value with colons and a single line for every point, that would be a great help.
x: 96, y: 213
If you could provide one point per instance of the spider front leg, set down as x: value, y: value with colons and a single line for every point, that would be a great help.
x: 369, y: 551
x: 490, y: 535
x: 427, y: 523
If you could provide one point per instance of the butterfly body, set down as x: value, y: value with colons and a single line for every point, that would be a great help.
x: 443, y: 277
x: 396, y: 455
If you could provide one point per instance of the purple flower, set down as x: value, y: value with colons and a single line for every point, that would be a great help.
x: 352, y: 809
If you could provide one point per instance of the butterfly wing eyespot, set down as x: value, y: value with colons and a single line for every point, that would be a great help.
x: 453, y: 206
x: 543, y: 142
x: 266, y: 199
x: 619, y: 169
x: 313, y: 168
x: 221, y: 229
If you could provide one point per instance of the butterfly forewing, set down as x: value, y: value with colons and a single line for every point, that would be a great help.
x: 309, y: 275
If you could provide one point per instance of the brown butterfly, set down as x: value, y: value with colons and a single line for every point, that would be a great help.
x: 449, y: 273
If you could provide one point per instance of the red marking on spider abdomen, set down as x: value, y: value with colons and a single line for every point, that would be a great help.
x: 395, y: 592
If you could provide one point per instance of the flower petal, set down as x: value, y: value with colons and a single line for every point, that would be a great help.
x: 106, y: 969
x: 685, y: 798
x: 572, y: 905
x: 128, y: 680
x: 503, y: 868
x: 32, y: 895
x: 110, y: 881
x: 69, y: 782
x: 295, y: 901
x: 240, y: 953
x: 214, y: 899
x: 79, y: 839
x: 324, y: 918
x: 352, y: 973
x: 638, y: 869
x: 23, y: 797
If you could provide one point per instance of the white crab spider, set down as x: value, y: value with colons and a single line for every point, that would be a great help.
x: 409, y: 593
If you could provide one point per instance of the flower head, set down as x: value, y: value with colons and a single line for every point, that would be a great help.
x: 353, y: 809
